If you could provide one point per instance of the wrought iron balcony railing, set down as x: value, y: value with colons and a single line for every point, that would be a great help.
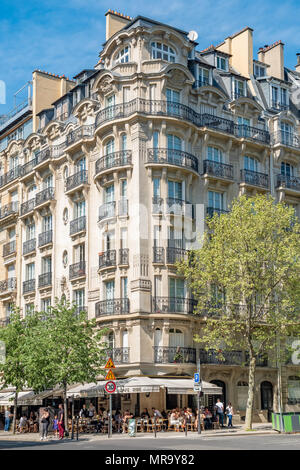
x: 77, y: 270
x: 172, y: 157
x: 107, y: 210
x: 174, y: 355
x: 173, y: 305
x: 158, y: 255
x: 252, y: 133
x: 112, y: 307
x: 107, y: 259
x: 175, y: 255
x: 9, y: 248
x: 279, y: 106
x: 9, y: 209
x: 29, y: 286
x: 201, y: 82
x: 8, y: 285
x: 28, y: 167
x: 43, y: 155
x: 118, y: 355
x: 78, y: 225
x: 220, y: 170
x: 211, y: 211
x: 79, y: 178
x: 290, y: 182
x: 225, y: 357
x: 255, y: 178
x: 113, y: 160
x: 29, y: 246
x: 157, y: 205
x: 11, y: 175
x: 45, y: 238
x: 179, y: 207
x: 45, y: 279
x: 79, y: 133
x: 28, y: 206
x: 44, y: 196
x: 289, y: 139
x: 124, y: 256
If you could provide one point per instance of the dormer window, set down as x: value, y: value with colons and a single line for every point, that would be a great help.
x: 162, y: 51
x: 259, y: 71
x: 123, y: 56
x: 222, y: 63
x: 279, y: 98
x: 238, y: 88
x: 203, y: 77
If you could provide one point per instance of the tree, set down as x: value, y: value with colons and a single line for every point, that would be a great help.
x: 245, y: 278
x: 15, y: 337
x: 67, y: 349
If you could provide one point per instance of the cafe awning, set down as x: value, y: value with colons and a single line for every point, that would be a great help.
x: 27, y: 397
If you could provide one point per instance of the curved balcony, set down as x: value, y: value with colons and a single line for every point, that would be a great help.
x: 108, y: 259
x: 77, y: 270
x: 174, y: 355
x: 118, y: 355
x: 45, y: 279
x: 173, y: 305
x: 76, y: 181
x: 175, y: 255
x: 216, y: 170
x: 164, y: 156
x: 44, y: 197
x: 43, y: 155
x: 78, y: 225
x: 254, y: 178
x: 107, y: 211
x: 28, y: 286
x: 112, y: 307
x: 290, y: 184
x: 29, y: 246
x: 177, y: 206
x: 113, y: 160
x: 9, y: 248
x: 230, y: 358
x: 287, y: 139
x: 45, y: 238
x: 79, y: 134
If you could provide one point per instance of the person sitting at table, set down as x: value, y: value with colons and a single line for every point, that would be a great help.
x: 127, y: 415
x: 207, y: 419
x: 23, y: 424
x: 145, y: 414
x: 174, y: 418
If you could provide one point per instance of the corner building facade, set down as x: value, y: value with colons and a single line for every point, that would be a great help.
x: 122, y: 172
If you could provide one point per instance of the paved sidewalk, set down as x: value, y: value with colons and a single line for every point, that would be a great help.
x: 238, y: 430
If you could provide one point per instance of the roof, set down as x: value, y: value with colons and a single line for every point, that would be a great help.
x: 239, y: 32
x: 267, y: 48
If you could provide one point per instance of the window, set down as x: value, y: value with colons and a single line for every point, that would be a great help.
x: 81, y: 165
x: 203, y: 76
x: 250, y: 163
x: 45, y: 305
x: 124, y: 287
x: 79, y: 209
x: 46, y: 264
x: 162, y: 51
x: 123, y: 56
x: 175, y: 190
x: 215, y: 200
x: 109, y: 193
x: 78, y: 298
x: 259, y: 71
x: 29, y: 273
x: 124, y: 142
x: 173, y: 99
x: 111, y: 340
x: 176, y: 338
x: 238, y: 88
x: 222, y: 63
x: 294, y: 390
x: 214, y: 154
x: 243, y: 126
x: 287, y: 133
x: 29, y: 308
x: 176, y: 294
x: 287, y: 169
x: 47, y: 223
x: 48, y: 182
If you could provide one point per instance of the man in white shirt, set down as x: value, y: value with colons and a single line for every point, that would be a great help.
x: 219, y: 406
x: 156, y: 413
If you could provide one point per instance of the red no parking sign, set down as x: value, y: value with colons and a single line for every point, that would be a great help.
x: 110, y: 387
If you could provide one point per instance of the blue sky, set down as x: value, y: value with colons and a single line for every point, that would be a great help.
x: 65, y: 36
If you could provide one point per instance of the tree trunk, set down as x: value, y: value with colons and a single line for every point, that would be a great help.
x: 250, y: 401
x: 66, y: 409
x: 15, y: 412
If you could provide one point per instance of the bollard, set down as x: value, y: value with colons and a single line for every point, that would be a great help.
x: 77, y: 427
x: 185, y: 426
x: 154, y: 425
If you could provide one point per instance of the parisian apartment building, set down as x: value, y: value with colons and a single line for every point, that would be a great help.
x: 106, y: 178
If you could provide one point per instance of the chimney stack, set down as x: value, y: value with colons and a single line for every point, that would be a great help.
x: 297, y: 66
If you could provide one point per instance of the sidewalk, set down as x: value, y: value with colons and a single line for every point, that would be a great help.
x: 238, y: 430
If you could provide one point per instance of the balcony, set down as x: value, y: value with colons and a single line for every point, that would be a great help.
x: 79, y: 134
x: 174, y: 355
x: 230, y: 358
x: 176, y: 206
x: 289, y: 183
x: 118, y: 355
x: 78, y: 225
x: 77, y: 270
x: 211, y: 211
x: 43, y: 155
x: 252, y: 133
x: 112, y: 307
x: 158, y: 255
x: 288, y: 139
x: 10, y: 210
x: 254, y: 178
x: 8, y: 285
x: 107, y: 210
x: 27, y: 207
x: 44, y: 197
x: 124, y: 257
x: 175, y: 255
x: 29, y: 246
x: 45, y: 279
x: 163, y: 156
x: 277, y: 106
x: 202, y: 82
x: 157, y: 205
x: 75, y: 181
x: 173, y: 305
x: 9, y: 248
x: 28, y: 286
x: 217, y: 170
x: 114, y: 160
x: 27, y: 168
x: 45, y: 238
x: 107, y: 259
x: 11, y: 175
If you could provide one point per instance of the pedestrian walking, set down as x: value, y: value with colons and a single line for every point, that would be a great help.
x: 229, y: 413
x: 220, y: 412
x: 55, y: 426
x: 61, y: 422
x: 8, y: 417
x: 45, y: 424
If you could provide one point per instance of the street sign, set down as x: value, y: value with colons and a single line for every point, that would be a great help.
x: 110, y: 364
x: 197, y: 378
x: 197, y: 388
x: 110, y: 387
x: 110, y: 375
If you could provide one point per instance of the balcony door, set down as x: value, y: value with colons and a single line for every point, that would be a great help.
x: 176, y: 338
x: 251, y: 164
x: 214, y: 155
x: 47, y: 223
x: 175, y: 190
x: 79, y: 209
x: 110, y: 296
x: 173, y: 99
x: 177, y: 293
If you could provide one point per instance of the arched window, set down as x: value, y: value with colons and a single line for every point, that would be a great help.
x: 294, y: 390
x: 162, y: 51
x: 123, y: 55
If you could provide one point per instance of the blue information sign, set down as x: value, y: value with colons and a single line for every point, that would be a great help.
x: 197, y: 378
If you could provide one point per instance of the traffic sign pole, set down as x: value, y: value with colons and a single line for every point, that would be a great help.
x: 199, y: 419
x: 110, y: 388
